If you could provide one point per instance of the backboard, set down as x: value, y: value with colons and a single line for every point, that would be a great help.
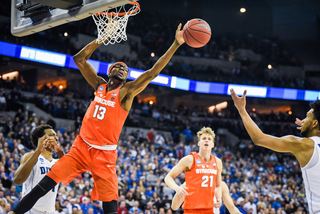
x: 29, y: 17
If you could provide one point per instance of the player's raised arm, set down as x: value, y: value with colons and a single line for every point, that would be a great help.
x: 86, y: 69
x: 81, y: 60
x: 290, y: 144
x: 28, y: 161
x: 135, y: 87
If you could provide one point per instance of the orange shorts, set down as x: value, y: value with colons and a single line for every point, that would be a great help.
x: 101, y: 164
x: 198, y: 211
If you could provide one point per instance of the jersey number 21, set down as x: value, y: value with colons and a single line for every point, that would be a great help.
x: 207, y: 181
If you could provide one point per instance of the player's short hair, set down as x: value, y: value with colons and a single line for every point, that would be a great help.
x: 206, y: 130
x: 37, y: 133
x: 316, y: 109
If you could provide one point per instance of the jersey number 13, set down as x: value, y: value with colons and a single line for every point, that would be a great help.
x: 99, y: 112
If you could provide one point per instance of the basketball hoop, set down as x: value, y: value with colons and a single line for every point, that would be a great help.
x: 111, y: 24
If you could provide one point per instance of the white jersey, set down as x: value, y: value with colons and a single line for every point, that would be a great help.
x: 311, y: 178
x: 45, y: 204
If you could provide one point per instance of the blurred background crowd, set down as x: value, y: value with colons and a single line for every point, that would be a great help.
x: 162, y: 125
x: 152, y: 142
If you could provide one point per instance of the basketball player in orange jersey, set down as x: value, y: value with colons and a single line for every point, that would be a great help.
x: 227, y: 200
x: 202, y: 177
x: 94, y: 149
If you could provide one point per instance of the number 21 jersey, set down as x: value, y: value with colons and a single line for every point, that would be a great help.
x: 201, y: 183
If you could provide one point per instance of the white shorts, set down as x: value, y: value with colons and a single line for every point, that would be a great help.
x: 33, y: 211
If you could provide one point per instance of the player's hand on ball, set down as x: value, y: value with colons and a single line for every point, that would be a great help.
x: 179, y: 35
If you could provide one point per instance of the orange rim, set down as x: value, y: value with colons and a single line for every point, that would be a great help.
x: 123, y: 13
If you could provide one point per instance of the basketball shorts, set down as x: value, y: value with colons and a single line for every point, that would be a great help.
x: 101, y: 164
x: 198, y: 211
x: 33, y: 211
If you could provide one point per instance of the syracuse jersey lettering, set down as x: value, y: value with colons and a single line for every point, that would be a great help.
x: 201, y: 182
x: 104, y: 118
x: 105, y: 102
x: 206, y: 171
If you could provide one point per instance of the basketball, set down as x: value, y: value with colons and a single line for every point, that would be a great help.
x: 196, y: 33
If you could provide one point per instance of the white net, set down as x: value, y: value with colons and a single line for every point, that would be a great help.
x: 112, y: 24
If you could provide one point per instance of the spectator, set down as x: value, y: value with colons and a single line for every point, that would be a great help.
x: 135, y: 208
x: 151, y: 179
x: 11, y: 195
x: 85, y: 206
x: 122, y: 208
x: 151, y: 136
x: 188, y: 134
x: 277, y: 204
x: 250, y: 205
x: 90, y: 211
x: 73, y: 204
x: 77, y: 189
x: 7, y: 208
x: 241, y: 207
x: 97, y: 207
x: 2, y: 205
x: 3, y: 102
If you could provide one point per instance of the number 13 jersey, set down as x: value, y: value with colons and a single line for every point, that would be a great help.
x: 104, y: 119
x: 201, y: 182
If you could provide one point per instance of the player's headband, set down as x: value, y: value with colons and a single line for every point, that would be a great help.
x: 118, y: 64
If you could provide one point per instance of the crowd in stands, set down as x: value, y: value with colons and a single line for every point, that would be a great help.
x: 257, y: 180
x: 260, y: 181
x: 145, y: 115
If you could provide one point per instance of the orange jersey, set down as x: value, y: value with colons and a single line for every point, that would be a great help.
x: 104, y: 119
x: 201, y: 182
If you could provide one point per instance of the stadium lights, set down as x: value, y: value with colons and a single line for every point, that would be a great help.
x: 219, y: 107
x: 211, y: 109
x: 243, y: 10
x: 222, y: 105
x: 10, y: 75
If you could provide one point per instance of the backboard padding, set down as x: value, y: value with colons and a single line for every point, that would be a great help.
x: 23, y: 26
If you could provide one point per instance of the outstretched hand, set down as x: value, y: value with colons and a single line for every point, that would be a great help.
x: 179, y: 35
x: 239, y: 102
